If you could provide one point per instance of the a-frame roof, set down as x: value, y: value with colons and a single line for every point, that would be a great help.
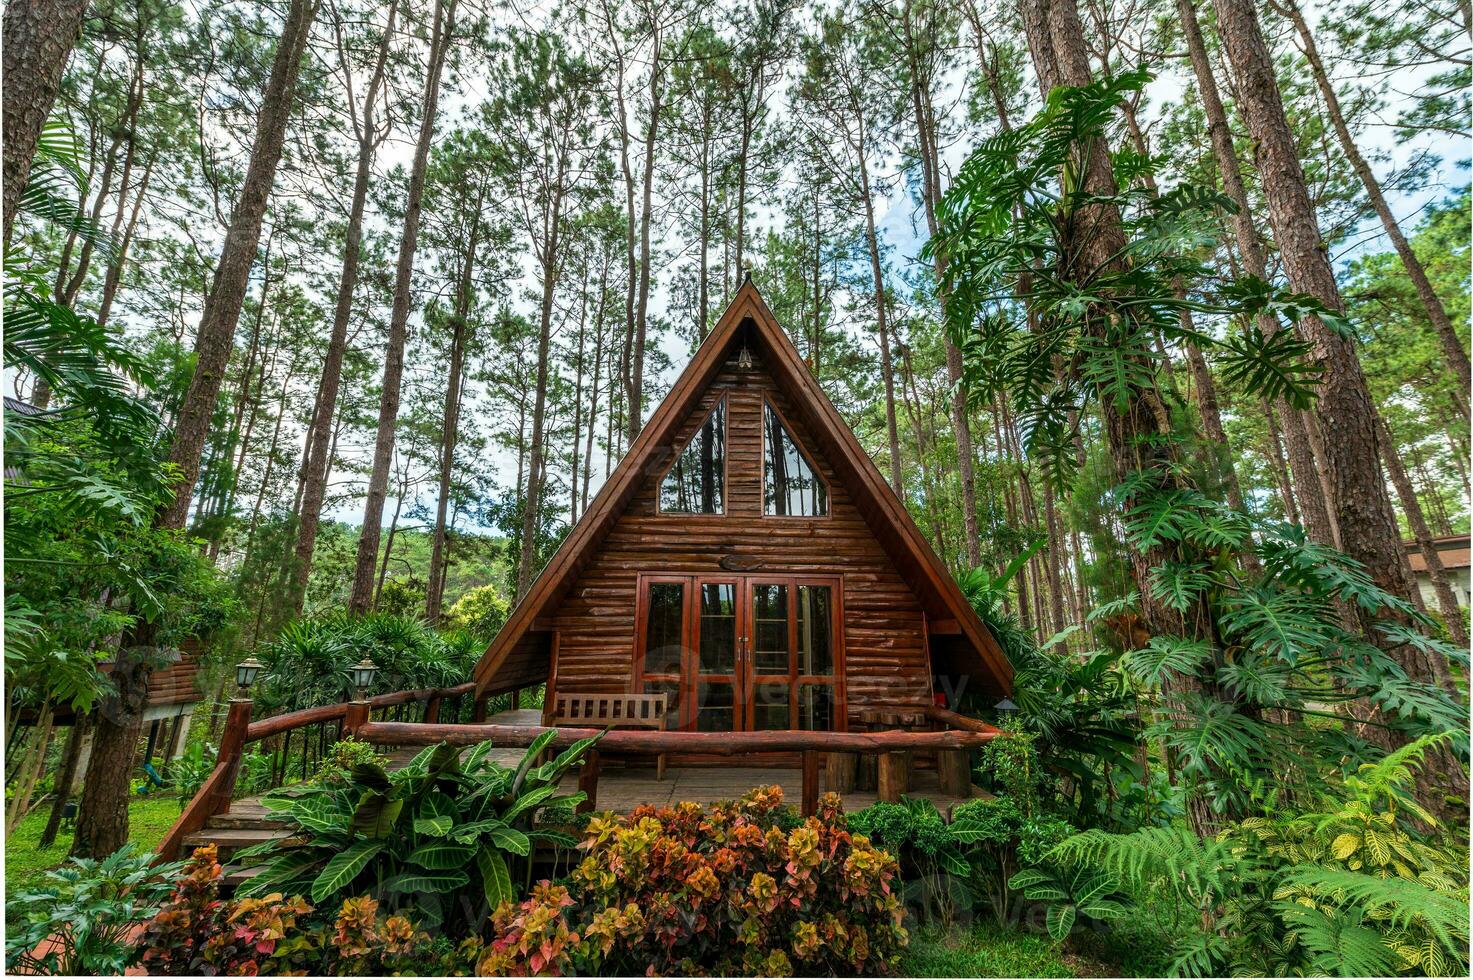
x: 748, y: 319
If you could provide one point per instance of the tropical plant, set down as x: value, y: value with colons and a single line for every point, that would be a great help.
x: 81, y: 920
x: 1354, y: 888
x: 199, y: 933
x: 1067, y: 896
x: 189, y: 771
x: 442, y: 834
x: 740, y: 888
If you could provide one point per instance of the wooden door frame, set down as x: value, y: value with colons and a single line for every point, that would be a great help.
x: 745, y: 679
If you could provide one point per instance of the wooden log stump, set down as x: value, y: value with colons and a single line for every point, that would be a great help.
x: 842, y: 769
x: 894, y: 776
x: 954, y: 770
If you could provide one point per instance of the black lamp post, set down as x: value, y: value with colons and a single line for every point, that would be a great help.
x: 1005, y: 709
x: 245, y: 675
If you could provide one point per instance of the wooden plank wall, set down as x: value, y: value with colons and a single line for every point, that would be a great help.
x: 884, y: 639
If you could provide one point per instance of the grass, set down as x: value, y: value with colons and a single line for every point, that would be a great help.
x: 149, y: 818
x: 982, y: 950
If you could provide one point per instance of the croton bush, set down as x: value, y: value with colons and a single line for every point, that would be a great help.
x: 743, y: 888
x: 198, y: 933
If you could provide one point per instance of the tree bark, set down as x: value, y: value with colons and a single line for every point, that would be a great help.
x: 435, y: 588
x: 102, y: 824
x: 1313, y: 503
x: 216, y: 335
x: 1447, y: 602
x: 1452, y: 346
x: 38, y: 39
x: 64, y: 780
x: 317, y: 464
x: 1345, y: 411
x: 388, y: 410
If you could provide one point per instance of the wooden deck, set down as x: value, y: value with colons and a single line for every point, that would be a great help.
x: 620, y: 790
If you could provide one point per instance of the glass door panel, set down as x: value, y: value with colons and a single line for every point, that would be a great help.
x: 770, y: 649
x: 716, y: 684
x: 718, y: 627
x: 772, y: 707
x: 815, y: 630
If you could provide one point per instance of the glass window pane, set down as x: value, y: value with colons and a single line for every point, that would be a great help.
x: 714, y: 704
x: 718, y: 628
x: 664, y: 633
x: 816, y: 708
x: 696, y: 481
x: 770, y: 629
x: 771, y: 707
x: 790, y: 486
x: 815, y: 630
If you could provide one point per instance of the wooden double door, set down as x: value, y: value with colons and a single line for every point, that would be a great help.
x: 743, y: 652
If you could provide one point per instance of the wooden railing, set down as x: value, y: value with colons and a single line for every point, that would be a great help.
x: 893, y: 749
x: 312, y: 725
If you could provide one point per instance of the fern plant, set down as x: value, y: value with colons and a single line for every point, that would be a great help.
x: 1367, y: 884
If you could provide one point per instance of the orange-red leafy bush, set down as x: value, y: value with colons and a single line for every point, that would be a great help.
x: 725, y: 890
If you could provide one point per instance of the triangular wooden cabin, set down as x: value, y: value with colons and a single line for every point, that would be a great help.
x: 749, y: 561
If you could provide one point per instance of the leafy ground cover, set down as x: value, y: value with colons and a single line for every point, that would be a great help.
x: 149, y: 818
x: 983, y: 950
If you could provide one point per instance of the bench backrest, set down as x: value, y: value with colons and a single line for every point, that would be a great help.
x: 604, y: 710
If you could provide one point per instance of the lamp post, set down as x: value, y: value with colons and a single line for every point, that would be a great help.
x: 363, y: 673
x: 245, y: 675
x: 357, y: 714
x: 1005, y: 710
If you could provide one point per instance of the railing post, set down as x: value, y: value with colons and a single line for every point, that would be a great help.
x: 588, y: 781
x: 355, y: 717
x: 232, y: 745
x: 432, y: 709
x: 810, y: 783
x: 478, y: 713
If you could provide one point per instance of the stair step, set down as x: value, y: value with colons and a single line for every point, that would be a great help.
x: 229, y: 840
x: 241, y: 818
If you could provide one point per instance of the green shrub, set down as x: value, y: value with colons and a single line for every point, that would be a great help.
x: 719, y: 891
x: 198, y: 933
x: 346, y: 754
x: 79, y: 922
x: 441, y: 835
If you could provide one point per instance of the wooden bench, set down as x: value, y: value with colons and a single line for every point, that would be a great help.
x: 612, y: 711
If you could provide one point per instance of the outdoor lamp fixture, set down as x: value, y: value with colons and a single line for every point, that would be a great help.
x: 1005, y: 709
x: 363, y: 672
x: 744, y: 359
x: 245, y: 674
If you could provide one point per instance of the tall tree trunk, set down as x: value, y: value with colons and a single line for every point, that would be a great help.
x: 434, y: 589
x: 317, y: 462
x: 216, y: 335
x: 931, y: 195
x: 38, y: 38
x: 1139, y: 436
x: 1447, y: 602
x: 877, y: 273
x: 635, y: 419
x: 1313, y: 503
x: 102, y: 824
x: 1452, y: 346
x: 1345, y: 411
x: 388, y: 409
x: 65, y: 777
x: 527, y: 566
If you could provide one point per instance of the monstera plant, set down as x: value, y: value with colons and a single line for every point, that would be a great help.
x: 452, y: 831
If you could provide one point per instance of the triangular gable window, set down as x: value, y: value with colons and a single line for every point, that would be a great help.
x: 790, y: 485
x: 696, y: 482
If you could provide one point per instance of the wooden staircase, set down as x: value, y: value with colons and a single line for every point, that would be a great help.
x: 246, y: 824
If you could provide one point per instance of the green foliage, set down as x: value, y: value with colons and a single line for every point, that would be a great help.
x: 1069, y: 895
x: 345, y: 756
x: 441, y: 834
x: 1354, y: 887
x: 80, y: 921
x: 481, y: 611
x: 732, y: 889
x: 309, y: 663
